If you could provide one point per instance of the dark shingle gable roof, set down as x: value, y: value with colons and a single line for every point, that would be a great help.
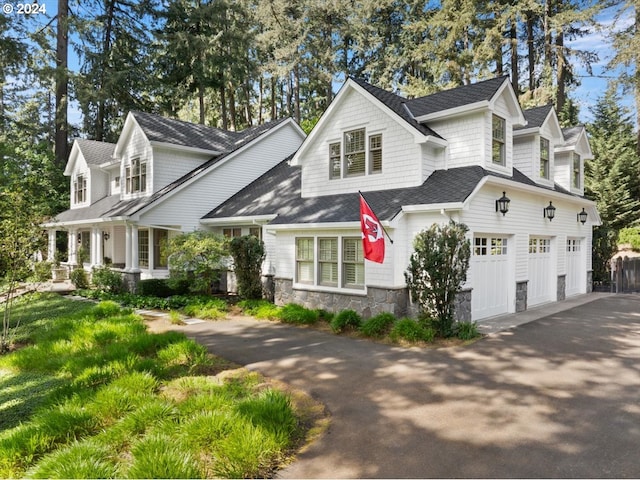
x: 278, y: 192
x: 571, y: 135
x: 456, y: 97
x: 535, y: 117
x: 168, y: 130
x: 397, y: 104
x: 96, y: 153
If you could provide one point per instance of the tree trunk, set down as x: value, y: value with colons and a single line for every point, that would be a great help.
x: 232, y: 109
x: 201, y: 103
x: 274, y: 99
x: 562, y: 72
x: 223, y: 105
x: 636, y: 31
x: 531, y: 52
x: 296, y: 94
x: 247, y: 106
x: 106, y: 49
x: 62, y: 79
x: 515, y: 81
x: 260, y: 99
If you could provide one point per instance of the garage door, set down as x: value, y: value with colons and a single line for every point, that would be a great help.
x: 542, y: 284
x: 576, y: 267
x: 490, y: 276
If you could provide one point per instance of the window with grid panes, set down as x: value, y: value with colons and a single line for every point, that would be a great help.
x: 375, y: 153
x: 352, y: 263
x: 576, y: 171
x: 80, y: 189
x: 160, y: 246
x: 533, y: 245
x: 335, y: 160
x: 498, y: 246
x: 498, y: 140
x: 328, y: 261
x: 232, y: 232
x: 544, y: 158
x: 304, y: 260
x: 136, y: 176
x: 479, y: 246
x: 354, y: 152
x: 256, y: 232
x: 143, y: 248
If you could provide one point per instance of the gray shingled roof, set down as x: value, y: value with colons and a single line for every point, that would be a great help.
x: 456, y: 97
x: 96, y: 210
x: 535, y: 117
x: 278, y: 192
x: 96, y: 153
x: 168, y: 130
x: 571, y: 135
x: 397, y: 104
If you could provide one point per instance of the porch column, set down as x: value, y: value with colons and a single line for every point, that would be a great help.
x: 96, y: 245
x: 99, y: 247
x: 72, y: 259
x: 135, y: 261
x: 51, y: 250
x: 127, y: 248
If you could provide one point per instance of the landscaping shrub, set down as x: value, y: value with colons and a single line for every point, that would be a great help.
x: 107, y: 280
x: 297, y: 314
x: 248, y: 254
x: 346, y: 319
x: 42, y: 271
x: 467, y: 330
x: 259, y: 308
x: 379, y: 325
x: 410, y: 330
x: 79, y: 278
x: 163, y: 288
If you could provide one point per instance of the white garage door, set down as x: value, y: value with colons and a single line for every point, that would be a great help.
x: 576, y: 268
x: 490, y: 276
x: 541, y: 287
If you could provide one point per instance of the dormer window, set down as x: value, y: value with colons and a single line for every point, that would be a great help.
x: 499, y: 134
x: 575, y: 172
x: 136, y: 176
x: 357, y: 155
x: 544, y: 158
x: 80, y: 189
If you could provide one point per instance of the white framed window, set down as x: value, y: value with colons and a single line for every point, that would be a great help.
x: 136, y: 176
x: 489, y: 246
x: 544, y: 158
x: 143, y: 248
x: 539, y: 245
x: 256, y: 232
x: 498, y: 136
x: 352, y: 263
x: 573, y: 245
x: 160, y: 248
x: 232, y: 232
x: 375, y: 153
x: 354, y: 152
x: 80, y: 189
x: 328, y: 261
x: 335, y: 160
x: 575, y: 172
x: 304, y: 260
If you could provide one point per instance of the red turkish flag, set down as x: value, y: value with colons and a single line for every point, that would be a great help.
x: 372, y: 233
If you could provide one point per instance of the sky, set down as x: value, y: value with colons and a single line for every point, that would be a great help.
x: 586, y: 95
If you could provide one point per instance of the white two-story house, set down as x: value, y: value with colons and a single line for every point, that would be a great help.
x: 158, y: 180
x: 469, y: 154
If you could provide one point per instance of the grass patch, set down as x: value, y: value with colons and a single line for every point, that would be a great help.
x: 379, y: 325
x: 297, y: 314
x: 412, y: 331
x: 92, y: 394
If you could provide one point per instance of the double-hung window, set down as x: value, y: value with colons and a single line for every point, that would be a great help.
x: 352, y: 263
x: 354, y: 152
x: 544, y: 158
x: 498, y: 134
x: 330, y: 262
x: 143, y: 248
x: 375, y: 153
x: 335, y: 160
x: 136, y: 176
x: 80, y: 189
x: 575, y: 173
x: 304, y: 260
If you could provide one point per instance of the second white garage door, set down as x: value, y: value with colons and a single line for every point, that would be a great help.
x: 542, y: 279
x: 576, y: 269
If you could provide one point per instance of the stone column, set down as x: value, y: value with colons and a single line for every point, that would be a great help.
x: 51, y: 248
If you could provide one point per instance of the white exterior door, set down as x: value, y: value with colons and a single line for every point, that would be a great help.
x: 541, y: 287
x: 490, y: 276
x: 576, y: 268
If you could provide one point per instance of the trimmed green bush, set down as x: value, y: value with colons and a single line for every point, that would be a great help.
x: 79, y: 278
x: 466, y: 330
x: 107, y: 280
x: 42, y: 271
x: 412, y: 331
x: 297, y: 314
x: 163, y: 288
x: 379, y: 325
x: 345, y: 320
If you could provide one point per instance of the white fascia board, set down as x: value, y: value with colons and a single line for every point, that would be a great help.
x: 454, y: 112
x: 512, y: 98
x: 181, y: 148
x: 432, y: 207
x: 239, y: 220
x: 73, y: 155
x: 320, y: 226
x: 79, y: 223
x: 539, y: 190
x: 129, y: 123
x: 526, y: 131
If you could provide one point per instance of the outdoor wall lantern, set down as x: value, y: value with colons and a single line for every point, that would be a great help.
x: 106, y: 236
x: 79, y: 237
x: 502, y: 204
x: 582, y: 216
x: 549, y: 212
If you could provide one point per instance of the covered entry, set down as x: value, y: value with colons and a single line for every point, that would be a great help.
x: 490, y: 275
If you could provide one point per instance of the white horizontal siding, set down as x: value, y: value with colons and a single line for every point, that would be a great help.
x: 465, y: 137
x: 171, y: 164
x: 524, y: 153
x: 189, y: 204
x: 401, y: 156
x: 137, y: 146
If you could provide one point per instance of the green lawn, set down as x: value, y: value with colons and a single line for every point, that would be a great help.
x: 89, y: 393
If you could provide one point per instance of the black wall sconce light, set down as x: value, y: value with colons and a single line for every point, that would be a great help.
x: 502, y: 204
x: 106, y: 236
x: 549, y: 212
x: 582, y: 216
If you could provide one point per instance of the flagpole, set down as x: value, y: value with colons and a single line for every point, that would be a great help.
x: 383, y: 229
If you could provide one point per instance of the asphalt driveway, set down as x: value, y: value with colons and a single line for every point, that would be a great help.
x: 557, y: 397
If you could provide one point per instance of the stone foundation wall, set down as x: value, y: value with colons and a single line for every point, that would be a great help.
x: 463, y: 306
x: 375, y: 301
x: 521, y: 296
x: 130, y: 281
x: 589, y: 281
x: 561, y: 288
